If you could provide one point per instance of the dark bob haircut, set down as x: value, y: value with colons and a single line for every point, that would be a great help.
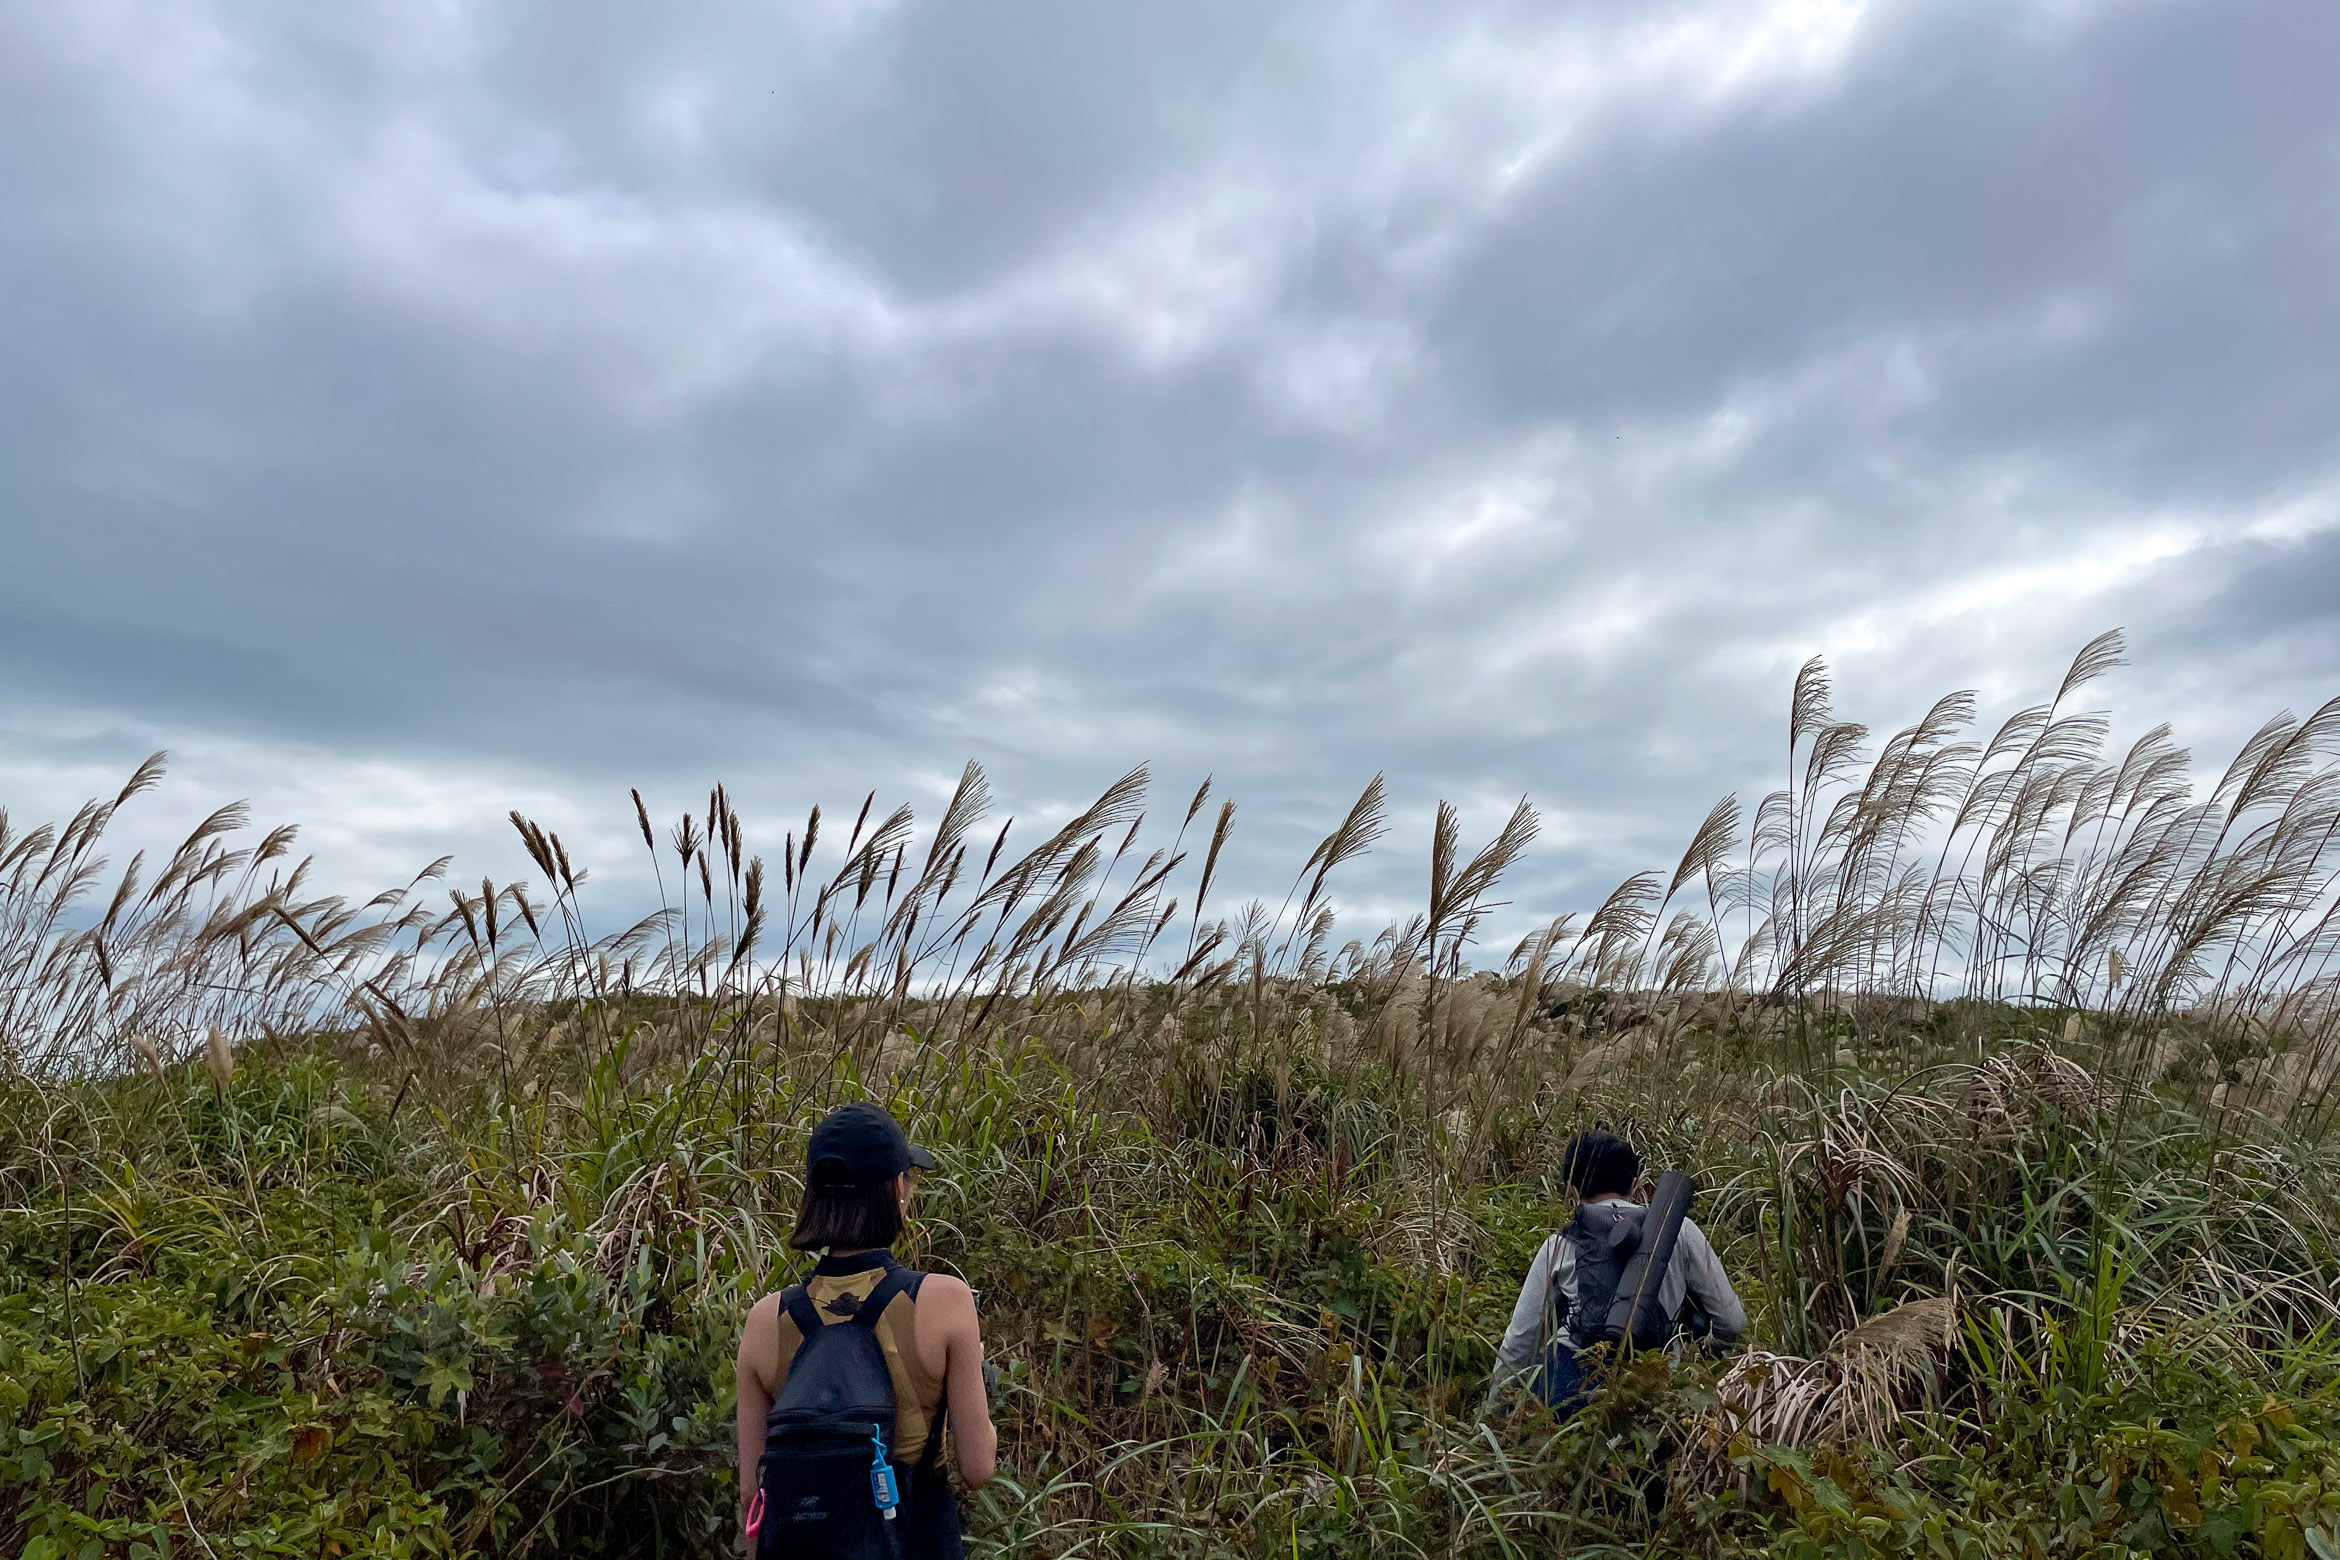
x: 860, y: 1218
x: 1599, y: 1164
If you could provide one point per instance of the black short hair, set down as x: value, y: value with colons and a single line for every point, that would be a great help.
x: 1599, y: 1164
x: 849, y: 1219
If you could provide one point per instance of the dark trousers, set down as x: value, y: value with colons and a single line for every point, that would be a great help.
x: 930, y: 1520
x: 1563, y: 1383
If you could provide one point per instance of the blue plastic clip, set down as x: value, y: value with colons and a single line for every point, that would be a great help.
x: 881, y: 1475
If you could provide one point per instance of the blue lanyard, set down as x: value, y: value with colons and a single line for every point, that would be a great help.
x: 881, y: 1475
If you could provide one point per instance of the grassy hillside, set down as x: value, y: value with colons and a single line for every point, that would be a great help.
x: 426, y: 1226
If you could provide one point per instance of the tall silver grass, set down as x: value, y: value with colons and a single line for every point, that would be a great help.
x: 2022, y: 866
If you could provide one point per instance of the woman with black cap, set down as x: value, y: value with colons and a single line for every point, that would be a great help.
x: 858, y: 1182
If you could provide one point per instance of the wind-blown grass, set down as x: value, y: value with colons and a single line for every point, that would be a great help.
x: 424, y: 1226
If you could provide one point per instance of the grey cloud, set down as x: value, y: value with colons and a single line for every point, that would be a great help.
x: 1504, y: 400
x: 2166, y: 186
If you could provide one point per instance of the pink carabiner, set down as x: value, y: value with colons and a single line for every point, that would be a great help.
x: 755, y: 1518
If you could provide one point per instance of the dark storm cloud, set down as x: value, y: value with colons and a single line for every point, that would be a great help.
x: 415, y: 410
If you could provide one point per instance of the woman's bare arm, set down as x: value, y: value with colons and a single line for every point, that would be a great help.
x: 972, y: 1433
x: 759, y: 1351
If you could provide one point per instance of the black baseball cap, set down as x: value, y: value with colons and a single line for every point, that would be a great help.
x: 859, y: 1146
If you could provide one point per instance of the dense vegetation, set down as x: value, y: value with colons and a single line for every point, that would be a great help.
x: 426, y: 1227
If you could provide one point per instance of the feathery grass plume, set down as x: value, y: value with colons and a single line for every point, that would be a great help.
x: 1993, y: 1027
x: 1202, y: 794
x: 1870, y: 1384
x: 148, y: 1052
x: 1219, y: 833
x: 220, y: 1059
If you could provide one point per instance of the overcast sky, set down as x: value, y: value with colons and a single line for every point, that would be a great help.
x: 409, y: 411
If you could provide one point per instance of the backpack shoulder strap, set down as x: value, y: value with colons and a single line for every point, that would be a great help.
x: 908, y: 1281
x: 873, y: 1305
x: 931, y: 1454
x: 797, y: 1306
x: 934, y: 1431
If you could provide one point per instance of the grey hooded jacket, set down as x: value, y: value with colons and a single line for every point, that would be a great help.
x: 1550, y: 1293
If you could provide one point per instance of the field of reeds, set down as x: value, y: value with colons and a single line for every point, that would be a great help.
x: 424, y: 1226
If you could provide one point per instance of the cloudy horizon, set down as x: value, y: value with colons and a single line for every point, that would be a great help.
x: 415, y: 412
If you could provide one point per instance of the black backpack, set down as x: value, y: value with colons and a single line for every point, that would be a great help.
x: 830, y: 1488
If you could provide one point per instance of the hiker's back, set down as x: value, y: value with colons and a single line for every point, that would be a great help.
x: 846, y: 1381
x: 1617, y: 1272
x: 849, y: 1469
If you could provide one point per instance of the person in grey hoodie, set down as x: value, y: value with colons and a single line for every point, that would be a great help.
x: 1602, y: 1168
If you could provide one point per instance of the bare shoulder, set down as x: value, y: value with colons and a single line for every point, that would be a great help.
x: 947, y: 1294
x: 758, y: 1339
x: 948, y: 1305
x: 763, y: 1326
